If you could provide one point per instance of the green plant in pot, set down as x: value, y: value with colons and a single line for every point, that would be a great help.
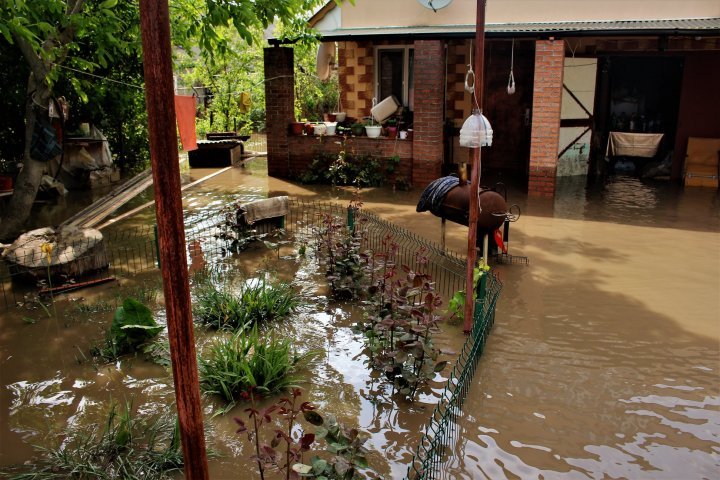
x: 391, y: 128
x: 358, y: 129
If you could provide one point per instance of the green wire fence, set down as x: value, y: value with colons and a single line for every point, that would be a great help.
x: 442, y: 430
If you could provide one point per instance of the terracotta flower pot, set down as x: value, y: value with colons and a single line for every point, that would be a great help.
x: 309, y: 128
x: 6, y: 182
x: 297, y: 128
x: 391, y: 132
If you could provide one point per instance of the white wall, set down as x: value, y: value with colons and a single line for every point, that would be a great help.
x: 373, y: 13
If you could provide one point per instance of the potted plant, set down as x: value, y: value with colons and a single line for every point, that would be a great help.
x: 357, y: 129
x: 372, y: 130
x: 391, y: 128
x: 297, y: 128
x: 8, y: 169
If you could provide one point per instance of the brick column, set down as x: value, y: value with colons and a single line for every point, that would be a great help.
x: 547, y: 98
x: 279, y: 107
x: 429, y: 70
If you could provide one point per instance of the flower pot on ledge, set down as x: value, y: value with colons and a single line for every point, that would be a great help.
x: 372, y: 131
x: 6, y: 182
x: 297, y: 128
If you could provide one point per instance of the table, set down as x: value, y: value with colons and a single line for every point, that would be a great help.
x: 633, y: 144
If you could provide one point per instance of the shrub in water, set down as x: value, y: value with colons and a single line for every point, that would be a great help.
x: 245, y: 361
x: 256, y: 302
x: 132, y: 326
x: 129, y: 447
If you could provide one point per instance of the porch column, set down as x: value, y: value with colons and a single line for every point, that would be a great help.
x: 279, y: 108
x: 547, y: 97
x: 429, y: 71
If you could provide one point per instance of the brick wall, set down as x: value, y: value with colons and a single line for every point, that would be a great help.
x: 304, y: 148
x: 428, y: 119
x: 458, y: 101
x: 547, y: 95
x: 280, y: 108
x: 356, y: 72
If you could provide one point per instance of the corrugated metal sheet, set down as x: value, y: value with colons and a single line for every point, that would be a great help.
x: 620, y: 27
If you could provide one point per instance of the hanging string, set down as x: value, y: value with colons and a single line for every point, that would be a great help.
x: 470, y: 88
x: 139, y: 87
x: 511, y: 79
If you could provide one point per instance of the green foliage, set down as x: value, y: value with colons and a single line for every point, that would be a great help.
x: 129, y: 447
x: 245, y: 361
x: 456, y: 305
x: 347, y: 168
x: 347, y: 455
x: 132, y: 326
x: 339, y: 251
x: 219, y: 78
x: 257, y: 301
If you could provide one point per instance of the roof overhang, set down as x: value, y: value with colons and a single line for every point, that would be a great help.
x: 624, y: 28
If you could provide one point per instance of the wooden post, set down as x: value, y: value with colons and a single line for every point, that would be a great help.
x: 475, y: 175
x: 159, y: 95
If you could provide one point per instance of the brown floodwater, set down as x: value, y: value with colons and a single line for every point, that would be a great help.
x: 604, y: 361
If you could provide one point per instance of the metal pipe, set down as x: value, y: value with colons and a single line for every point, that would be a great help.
x: 160, y: 100
x: 475, y: 175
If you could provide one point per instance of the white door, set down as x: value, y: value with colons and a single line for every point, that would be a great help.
x: 576, y: 116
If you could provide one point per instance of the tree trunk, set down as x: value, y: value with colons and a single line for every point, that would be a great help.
x: 28, y: 180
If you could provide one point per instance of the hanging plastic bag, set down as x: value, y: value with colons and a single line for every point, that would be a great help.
x: 44, y: 145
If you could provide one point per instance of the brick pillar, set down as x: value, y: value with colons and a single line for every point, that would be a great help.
x: 279, y: 107
x: 547, y: 97
x: 429, y: 88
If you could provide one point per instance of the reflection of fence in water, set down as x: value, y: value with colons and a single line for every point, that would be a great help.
x: 132, y: 251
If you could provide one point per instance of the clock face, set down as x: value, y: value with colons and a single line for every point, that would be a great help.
x: 435, y: 5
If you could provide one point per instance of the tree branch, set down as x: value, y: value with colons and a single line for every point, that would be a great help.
x: 37, y: 66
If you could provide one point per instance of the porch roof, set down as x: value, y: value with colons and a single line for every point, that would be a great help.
x: 675, y: 27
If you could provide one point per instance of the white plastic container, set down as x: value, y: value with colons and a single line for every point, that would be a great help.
x: 319, y: 128
x: 330, y: 128
x: 372, y: 131
x: 385, y: 109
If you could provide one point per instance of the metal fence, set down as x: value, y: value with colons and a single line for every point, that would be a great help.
x: 256, y: 144
x: 442, y: 431
x: 131, y: 251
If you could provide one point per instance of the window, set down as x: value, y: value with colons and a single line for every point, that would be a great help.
x: 394, y: 74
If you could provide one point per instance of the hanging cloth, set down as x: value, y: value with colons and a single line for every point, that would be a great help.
x: 185, y: 114
x: 245, y: 102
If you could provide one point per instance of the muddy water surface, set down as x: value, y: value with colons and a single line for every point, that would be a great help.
x: 604, y: 361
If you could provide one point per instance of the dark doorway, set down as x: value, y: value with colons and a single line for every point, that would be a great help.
x: 637, y: 94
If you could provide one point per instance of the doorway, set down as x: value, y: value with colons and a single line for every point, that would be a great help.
x: 637, y: 95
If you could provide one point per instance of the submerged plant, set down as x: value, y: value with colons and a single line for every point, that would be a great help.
x: 129, y: 447
x: 345, y: 454
x: 339, y: 249
x: 401, y: 320
x: 133, y: 325
x: 256, y: 302
x: 245, y: 361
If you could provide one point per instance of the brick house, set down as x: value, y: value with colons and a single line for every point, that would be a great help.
x: 582, y: 68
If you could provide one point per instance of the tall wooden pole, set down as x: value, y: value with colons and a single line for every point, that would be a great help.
x: 159, y: 95
x: 475, y: 173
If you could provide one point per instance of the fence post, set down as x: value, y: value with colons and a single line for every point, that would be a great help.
x: 157, y: 245
x: 351, y: 219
